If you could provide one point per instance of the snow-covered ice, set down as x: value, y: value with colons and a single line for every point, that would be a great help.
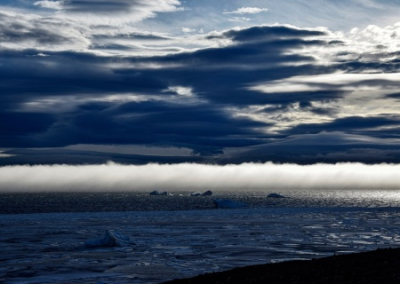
x: 50, y: 248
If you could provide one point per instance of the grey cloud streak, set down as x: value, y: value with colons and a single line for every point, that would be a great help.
x: 103, y: 6
x: 30, y: 31
x: 116, y: 12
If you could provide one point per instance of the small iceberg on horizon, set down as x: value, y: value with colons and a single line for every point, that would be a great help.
x: 229, y: 204
x: 206, y: 193
x: 164, y: 193
x: 111, y: 239
x: 275, y: 195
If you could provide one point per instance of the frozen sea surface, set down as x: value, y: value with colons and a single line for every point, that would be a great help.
x: 49, y: 247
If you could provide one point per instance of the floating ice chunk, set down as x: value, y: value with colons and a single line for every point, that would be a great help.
x: 156, y: 192
x: 111, y: 239
x: 226, y: 204
x: 207, y: 193
x: 275, y: 195
x: 197, y: 193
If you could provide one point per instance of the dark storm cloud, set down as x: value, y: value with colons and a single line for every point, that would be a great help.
x: 220, y: 80
x: 67, y: 73
x: 323, y: 153
x: 393, y: 96
x: 76, y: 73
x: 264, y: 33
x: 253, y: 54
x: 211, y: 71
x: 323, y: 147
x: 349, y: 124
x: 24, y: 123
x: 28, y: 76
x: 203, y: 128
x: 76, y: 157
x: 17, y: 128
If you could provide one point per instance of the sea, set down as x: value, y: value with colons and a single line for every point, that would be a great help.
x: 44, y: 236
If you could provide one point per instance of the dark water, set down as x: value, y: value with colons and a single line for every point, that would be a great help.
x: 47, y: 202
x: 21, y: 203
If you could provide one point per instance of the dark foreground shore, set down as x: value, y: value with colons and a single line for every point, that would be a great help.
x: 379, y: 266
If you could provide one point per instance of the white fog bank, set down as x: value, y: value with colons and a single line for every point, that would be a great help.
x: 189, y: 177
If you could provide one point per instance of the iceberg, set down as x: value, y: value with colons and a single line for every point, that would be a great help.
x: 275, y: 195
x: 156, y: 192
x: 197, y: 193
x: 111, y: 239
x: 228, y: 204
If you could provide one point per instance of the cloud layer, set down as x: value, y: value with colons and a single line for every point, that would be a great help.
x: 135, y: 10
x: 247, y: 10
x: 96, y: 73
x: 189, y: 177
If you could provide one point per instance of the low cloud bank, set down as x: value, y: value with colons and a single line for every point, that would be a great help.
x: 189, y: 177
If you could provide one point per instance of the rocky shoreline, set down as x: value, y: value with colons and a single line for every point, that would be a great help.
x: 379, y: 266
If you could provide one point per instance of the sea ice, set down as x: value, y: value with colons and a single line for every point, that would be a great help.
x: 49, y: 248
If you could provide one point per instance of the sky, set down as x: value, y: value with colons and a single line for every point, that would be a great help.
x: 134, y: 82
